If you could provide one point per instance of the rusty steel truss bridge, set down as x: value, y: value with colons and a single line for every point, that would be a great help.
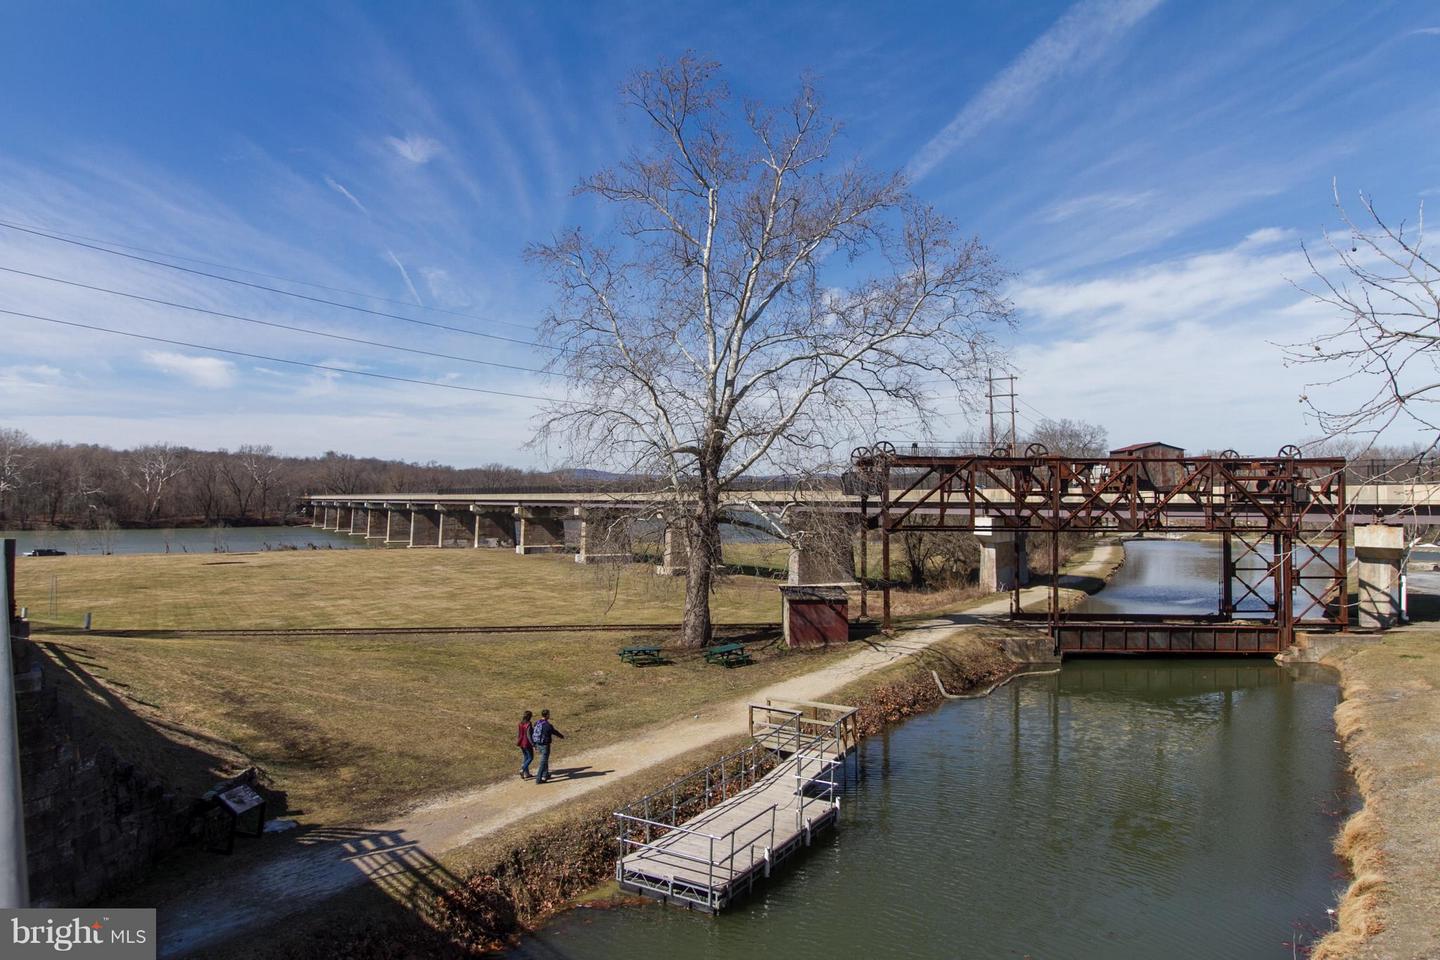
x: 1281, y: 521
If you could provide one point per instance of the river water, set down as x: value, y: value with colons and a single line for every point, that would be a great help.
x: 183, y: 540
x: 1118, y: 809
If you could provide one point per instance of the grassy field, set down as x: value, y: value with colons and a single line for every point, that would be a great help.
x: 357, y: 727
x: 365, y: 588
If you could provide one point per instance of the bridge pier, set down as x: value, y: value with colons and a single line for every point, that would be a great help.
x: 674, y: 555
x: 1004, y: 557
x: 317, y: 515
x: 540, y: 530
x: 424, y: 531
x: 597, y: 539
x: 392, y: 533
x: 370, y: 533
x: 1379, y: 552
x: 493, y: 523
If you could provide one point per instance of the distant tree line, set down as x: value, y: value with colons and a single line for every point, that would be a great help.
x: 88, y: 485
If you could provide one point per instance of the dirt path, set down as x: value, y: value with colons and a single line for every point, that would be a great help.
x: 269, y: 891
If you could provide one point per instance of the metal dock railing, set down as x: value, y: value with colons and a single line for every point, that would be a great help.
x: 706, y: 838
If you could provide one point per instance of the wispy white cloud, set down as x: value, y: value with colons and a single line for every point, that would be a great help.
x: 406, y: 275
x: 414, y: 147
x: 1425, y: 32
x: 1098, y: 203
x: 1083, y: 35
x: 339, y: 188
x: 211, y: 372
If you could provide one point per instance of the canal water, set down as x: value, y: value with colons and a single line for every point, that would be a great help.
x: 183, y: 540
x: 1117, y: 809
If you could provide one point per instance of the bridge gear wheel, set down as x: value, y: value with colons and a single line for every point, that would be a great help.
x: 859, y: 453
x: 1229, y: 454
x: 1037, y: 450
x: 884, y: 448
x: 1289, y: 452
x: 1000, y: 452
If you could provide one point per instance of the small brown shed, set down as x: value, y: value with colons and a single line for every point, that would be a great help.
x: 815, y: 615
x: 1161, y: 475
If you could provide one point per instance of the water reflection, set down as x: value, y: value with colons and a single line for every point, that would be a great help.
x: 1118, y: 809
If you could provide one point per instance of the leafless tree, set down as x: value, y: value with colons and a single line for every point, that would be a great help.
x: 150, y: 470
x: 1385, y: 290
x: 758, y: 304
x: 1070, y: 438
x: 15, y: 447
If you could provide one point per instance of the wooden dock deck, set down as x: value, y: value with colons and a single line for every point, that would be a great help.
x: 706, y: 839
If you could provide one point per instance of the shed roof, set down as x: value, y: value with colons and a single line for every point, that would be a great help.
x: 814, y: 592
x: 1136, y: 447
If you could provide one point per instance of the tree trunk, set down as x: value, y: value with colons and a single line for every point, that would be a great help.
x: 702, y: 536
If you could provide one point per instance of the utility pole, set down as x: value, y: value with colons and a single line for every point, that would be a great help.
x: 1013, y: 441
x: 14, y: 868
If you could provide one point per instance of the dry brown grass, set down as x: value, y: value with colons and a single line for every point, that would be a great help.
x: 366, y: 588
x: 1387, y: 720
x: 358, y: 727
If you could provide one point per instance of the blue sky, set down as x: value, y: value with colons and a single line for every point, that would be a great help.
x: 1147, y: 169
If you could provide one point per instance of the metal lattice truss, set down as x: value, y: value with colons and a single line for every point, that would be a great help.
x: 1281, y: 519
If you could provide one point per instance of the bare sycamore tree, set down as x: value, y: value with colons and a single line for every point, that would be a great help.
x: 14, y: 458
x: 150, y: 469
x: 1386, y: 292
x: 758, y: 305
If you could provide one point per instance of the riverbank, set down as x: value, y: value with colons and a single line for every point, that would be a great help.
x: 483, y: 896
x: 1388, y: 722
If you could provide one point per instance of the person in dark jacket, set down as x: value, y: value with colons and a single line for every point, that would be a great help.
x: 540, y: 733
x: 527, y: 748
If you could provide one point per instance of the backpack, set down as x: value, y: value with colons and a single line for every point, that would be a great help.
x: 540, y: 733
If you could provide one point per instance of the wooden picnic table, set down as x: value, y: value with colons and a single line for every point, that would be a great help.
x: 641, y: 655
x: 728, y: 654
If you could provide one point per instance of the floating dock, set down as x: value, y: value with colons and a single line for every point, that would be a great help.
x: 704, y: 840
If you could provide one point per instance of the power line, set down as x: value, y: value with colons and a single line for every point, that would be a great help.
x: 277, y: 325
x: 67, y: 235
x: 295, y: 363
x: 286, y: 293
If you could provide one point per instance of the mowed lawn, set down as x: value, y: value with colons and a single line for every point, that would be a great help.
x: 359, y: 727
x: 366, y: 588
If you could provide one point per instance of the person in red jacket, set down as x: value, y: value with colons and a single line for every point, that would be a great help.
x: 527, y: 749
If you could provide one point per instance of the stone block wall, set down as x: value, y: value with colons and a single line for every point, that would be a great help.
x: 92, y: 820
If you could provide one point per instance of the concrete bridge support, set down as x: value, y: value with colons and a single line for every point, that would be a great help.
x: 317, y: 515
x: 342, y: 518
x: 425, y: 526
x: 540, y: 529
x: 599, y: 537
x: 373, y: 523
x: 397, y: 526
x: 675, y: 554
x: 1379, y: 552
x: 490, y: 523
x: 1004, y: 557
